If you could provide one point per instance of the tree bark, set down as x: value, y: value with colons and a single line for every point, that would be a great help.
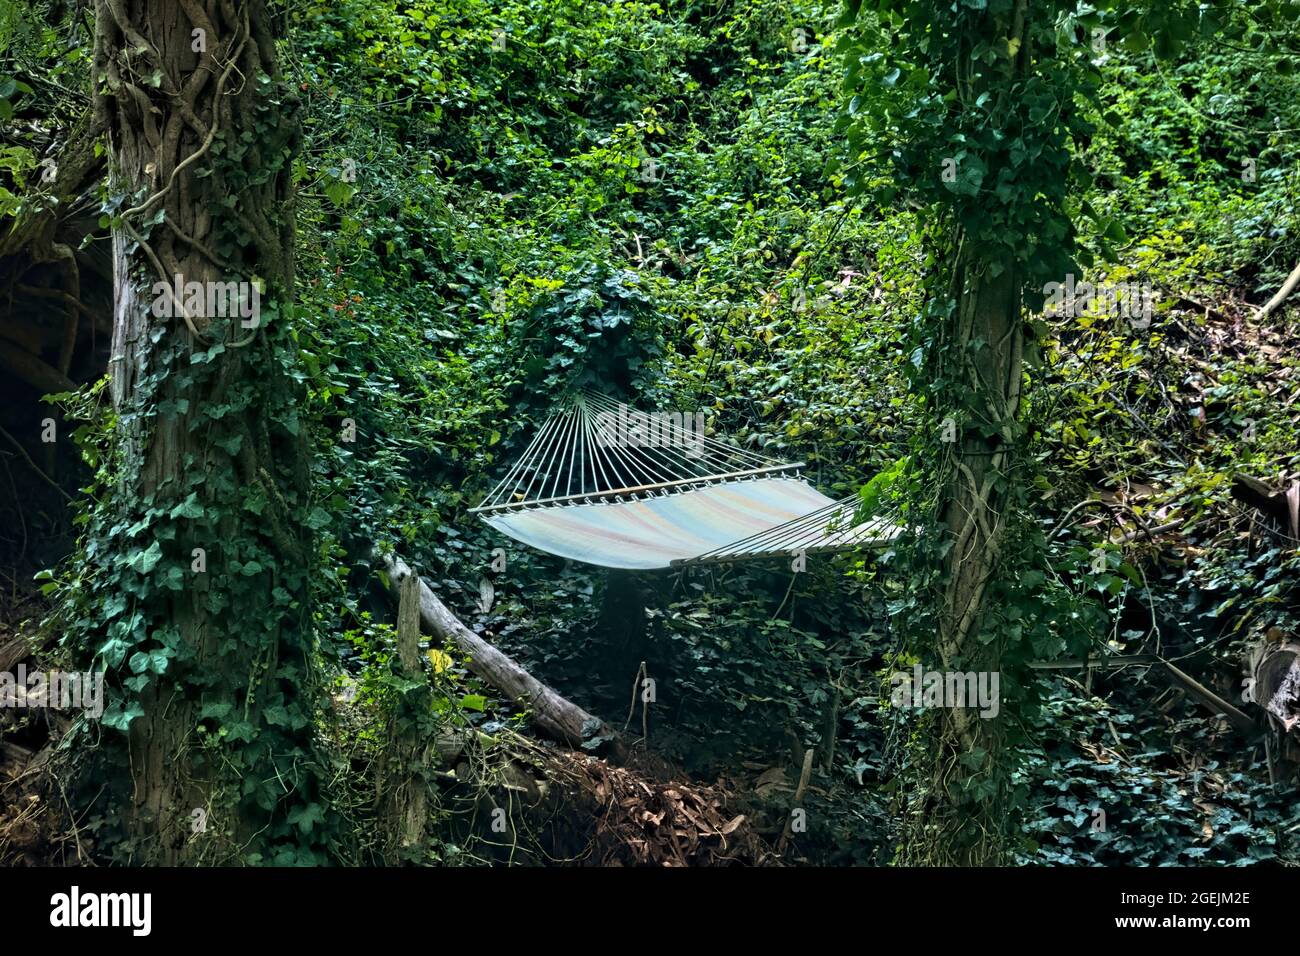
x: 960, y: 822
x: 1274, y: 668
x: 213, y: 469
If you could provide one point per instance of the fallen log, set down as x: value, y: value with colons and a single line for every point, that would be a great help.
x: 1283, y: 508
x: 1287, y: 288
x: 556, y: 716
x: 13, y: 651
x: 1236, y: 717
x: 16, y: 754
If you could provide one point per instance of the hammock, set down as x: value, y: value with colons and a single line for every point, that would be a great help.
x: 620, y: 488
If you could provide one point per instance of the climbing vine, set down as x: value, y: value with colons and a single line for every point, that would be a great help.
x: 200, y: 538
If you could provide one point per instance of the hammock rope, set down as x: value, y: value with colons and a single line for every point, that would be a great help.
x: 575, y: 457
x: 617, y: 487
x: 827, y: 529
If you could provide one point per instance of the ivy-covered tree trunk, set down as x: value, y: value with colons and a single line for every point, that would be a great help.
x: 977, y: 363
x: 983, y: 142
x: 963, y: 820
x: 203, y: 614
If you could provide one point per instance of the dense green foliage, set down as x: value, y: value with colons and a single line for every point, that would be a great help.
x: 696, y: 205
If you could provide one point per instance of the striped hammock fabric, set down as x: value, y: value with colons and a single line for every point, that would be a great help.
x: 709, y: 523
x: 657, y: 506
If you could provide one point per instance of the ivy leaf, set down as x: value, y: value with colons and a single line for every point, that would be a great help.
x: 970, y: 175
x: 113, y: 651
x: 145, y: 561
x: 339, y: 192
x: 189, y: 508
x: 119, y: 717
x: 306, y: 817
x: 114, y: 605
x: 440, y: 660
x: 199, y: 358
x: 216, y: 709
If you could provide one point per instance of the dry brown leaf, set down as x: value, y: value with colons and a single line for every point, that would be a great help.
x: 730, y: 826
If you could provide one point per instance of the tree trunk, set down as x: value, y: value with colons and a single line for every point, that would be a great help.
x: 213, y: 653
x: 977, y: 361
x: 960, y: 822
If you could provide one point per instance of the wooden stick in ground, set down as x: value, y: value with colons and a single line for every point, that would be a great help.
x: 410, y: 750
x: 804, y: 776
x: 830, y: 725
x: 555, y: 716
x: 408, y: 625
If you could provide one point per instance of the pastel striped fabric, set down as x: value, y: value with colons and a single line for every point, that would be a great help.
x: 656, y: 532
